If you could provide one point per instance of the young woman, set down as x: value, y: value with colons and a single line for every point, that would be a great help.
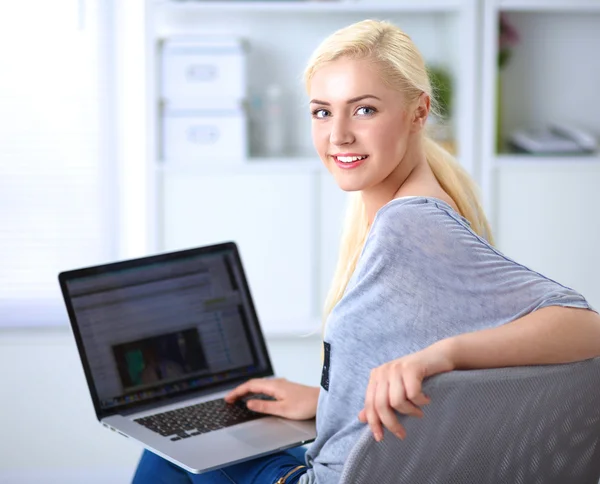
x: 419, y: 288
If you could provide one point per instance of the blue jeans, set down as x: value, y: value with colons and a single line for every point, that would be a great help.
x: 153, y: 469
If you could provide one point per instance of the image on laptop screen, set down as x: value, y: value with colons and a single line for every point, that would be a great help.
x: 164, y: 325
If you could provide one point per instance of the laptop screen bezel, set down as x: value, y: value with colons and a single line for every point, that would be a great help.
x: 66, y: 276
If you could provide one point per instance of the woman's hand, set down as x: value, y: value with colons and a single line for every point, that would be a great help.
x: 292, y: 400
x: 397, y: 386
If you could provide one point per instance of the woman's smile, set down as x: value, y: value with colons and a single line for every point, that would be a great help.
x: 348, y: 161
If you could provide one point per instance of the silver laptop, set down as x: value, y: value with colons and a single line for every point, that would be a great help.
x: 162, y: 339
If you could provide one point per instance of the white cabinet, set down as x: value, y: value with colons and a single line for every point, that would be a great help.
x: 287, y: 221
x: 271, y: 220
x: 547, y: 220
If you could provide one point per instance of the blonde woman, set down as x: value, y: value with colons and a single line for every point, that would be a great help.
x: 419, y: 288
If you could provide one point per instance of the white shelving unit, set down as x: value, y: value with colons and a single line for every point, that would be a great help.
x: 543, y: 207
x: 285, y: 213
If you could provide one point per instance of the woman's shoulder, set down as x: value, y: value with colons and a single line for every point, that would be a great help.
x: 414, y: 236
x: 419, y: 211
x: 423, y: 228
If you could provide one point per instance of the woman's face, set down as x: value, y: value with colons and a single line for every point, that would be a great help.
x: 360, y: 127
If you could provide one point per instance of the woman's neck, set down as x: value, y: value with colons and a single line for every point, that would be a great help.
x: 411, y: 177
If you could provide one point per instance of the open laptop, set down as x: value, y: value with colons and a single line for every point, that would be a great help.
x: 162, y: 339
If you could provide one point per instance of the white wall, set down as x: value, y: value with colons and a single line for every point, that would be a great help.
x: 49, y: 432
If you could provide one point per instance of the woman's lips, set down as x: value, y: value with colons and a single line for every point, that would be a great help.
x: 349, y: 165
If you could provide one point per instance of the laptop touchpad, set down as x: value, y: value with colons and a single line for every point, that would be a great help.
x: 266, y: 433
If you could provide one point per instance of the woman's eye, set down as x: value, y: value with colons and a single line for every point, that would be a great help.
x: 320, y: 113
x: 365, y: 110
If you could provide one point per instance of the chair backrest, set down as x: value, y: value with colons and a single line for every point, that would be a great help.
x: 521, y: 425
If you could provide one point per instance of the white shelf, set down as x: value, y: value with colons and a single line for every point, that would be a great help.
x: 404, y: 6
x: 249, y: 166
x: 543, y: 160
x: 573, y: 6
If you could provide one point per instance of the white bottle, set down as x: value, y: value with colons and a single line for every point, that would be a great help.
x: 274, y: 129
x: 255, y: 124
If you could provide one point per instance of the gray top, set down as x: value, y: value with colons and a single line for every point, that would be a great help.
x: 423, y: 276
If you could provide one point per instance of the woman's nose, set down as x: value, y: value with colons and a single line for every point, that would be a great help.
x: 341, y: 134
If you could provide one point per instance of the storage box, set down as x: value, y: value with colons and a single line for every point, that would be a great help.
x: 203, y: 67
x: 205, y: 134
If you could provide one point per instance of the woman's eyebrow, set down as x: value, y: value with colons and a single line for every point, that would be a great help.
x: 349, y: 101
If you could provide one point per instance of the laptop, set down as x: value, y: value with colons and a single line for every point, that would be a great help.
x: 162, y: 340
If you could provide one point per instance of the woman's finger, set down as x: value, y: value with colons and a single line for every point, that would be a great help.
x: 385, y: 413
x: 362, y: 416
x: 272, y: 408
x: 256, y: 385
x: 414, y: 388
x: 371, y: 413
x: 398, y: 398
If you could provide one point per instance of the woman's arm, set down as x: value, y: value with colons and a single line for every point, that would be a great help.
x: 552, y: 334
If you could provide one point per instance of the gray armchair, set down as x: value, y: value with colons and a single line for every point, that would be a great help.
x: 522, y: 425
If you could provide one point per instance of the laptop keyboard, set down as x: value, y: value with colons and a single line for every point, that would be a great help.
x: 201, y: 418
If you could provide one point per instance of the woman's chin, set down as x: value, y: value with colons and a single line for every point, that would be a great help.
x: 348, y: 185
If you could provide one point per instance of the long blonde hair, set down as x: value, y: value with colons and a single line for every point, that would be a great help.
x: 402, y: 68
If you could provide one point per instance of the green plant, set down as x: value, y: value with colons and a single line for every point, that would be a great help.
x: 441, y: 82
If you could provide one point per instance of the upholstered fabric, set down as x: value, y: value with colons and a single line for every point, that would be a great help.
x: 524, y: 425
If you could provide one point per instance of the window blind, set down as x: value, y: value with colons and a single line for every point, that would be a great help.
x: 55, y: 202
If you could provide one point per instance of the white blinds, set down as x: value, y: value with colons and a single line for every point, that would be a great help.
x: 54, y: 207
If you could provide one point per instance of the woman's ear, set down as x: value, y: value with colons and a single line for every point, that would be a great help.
x: 421, y: 112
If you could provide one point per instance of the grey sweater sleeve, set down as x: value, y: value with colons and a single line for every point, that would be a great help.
x: 459, y: 281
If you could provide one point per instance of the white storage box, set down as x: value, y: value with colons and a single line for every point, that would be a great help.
x: 204, y: 134
x: 203, y: 67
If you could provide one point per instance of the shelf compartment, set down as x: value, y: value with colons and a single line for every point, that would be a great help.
x: 552, y: 74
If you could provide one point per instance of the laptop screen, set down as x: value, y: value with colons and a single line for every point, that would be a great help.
x: 159, y: 326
